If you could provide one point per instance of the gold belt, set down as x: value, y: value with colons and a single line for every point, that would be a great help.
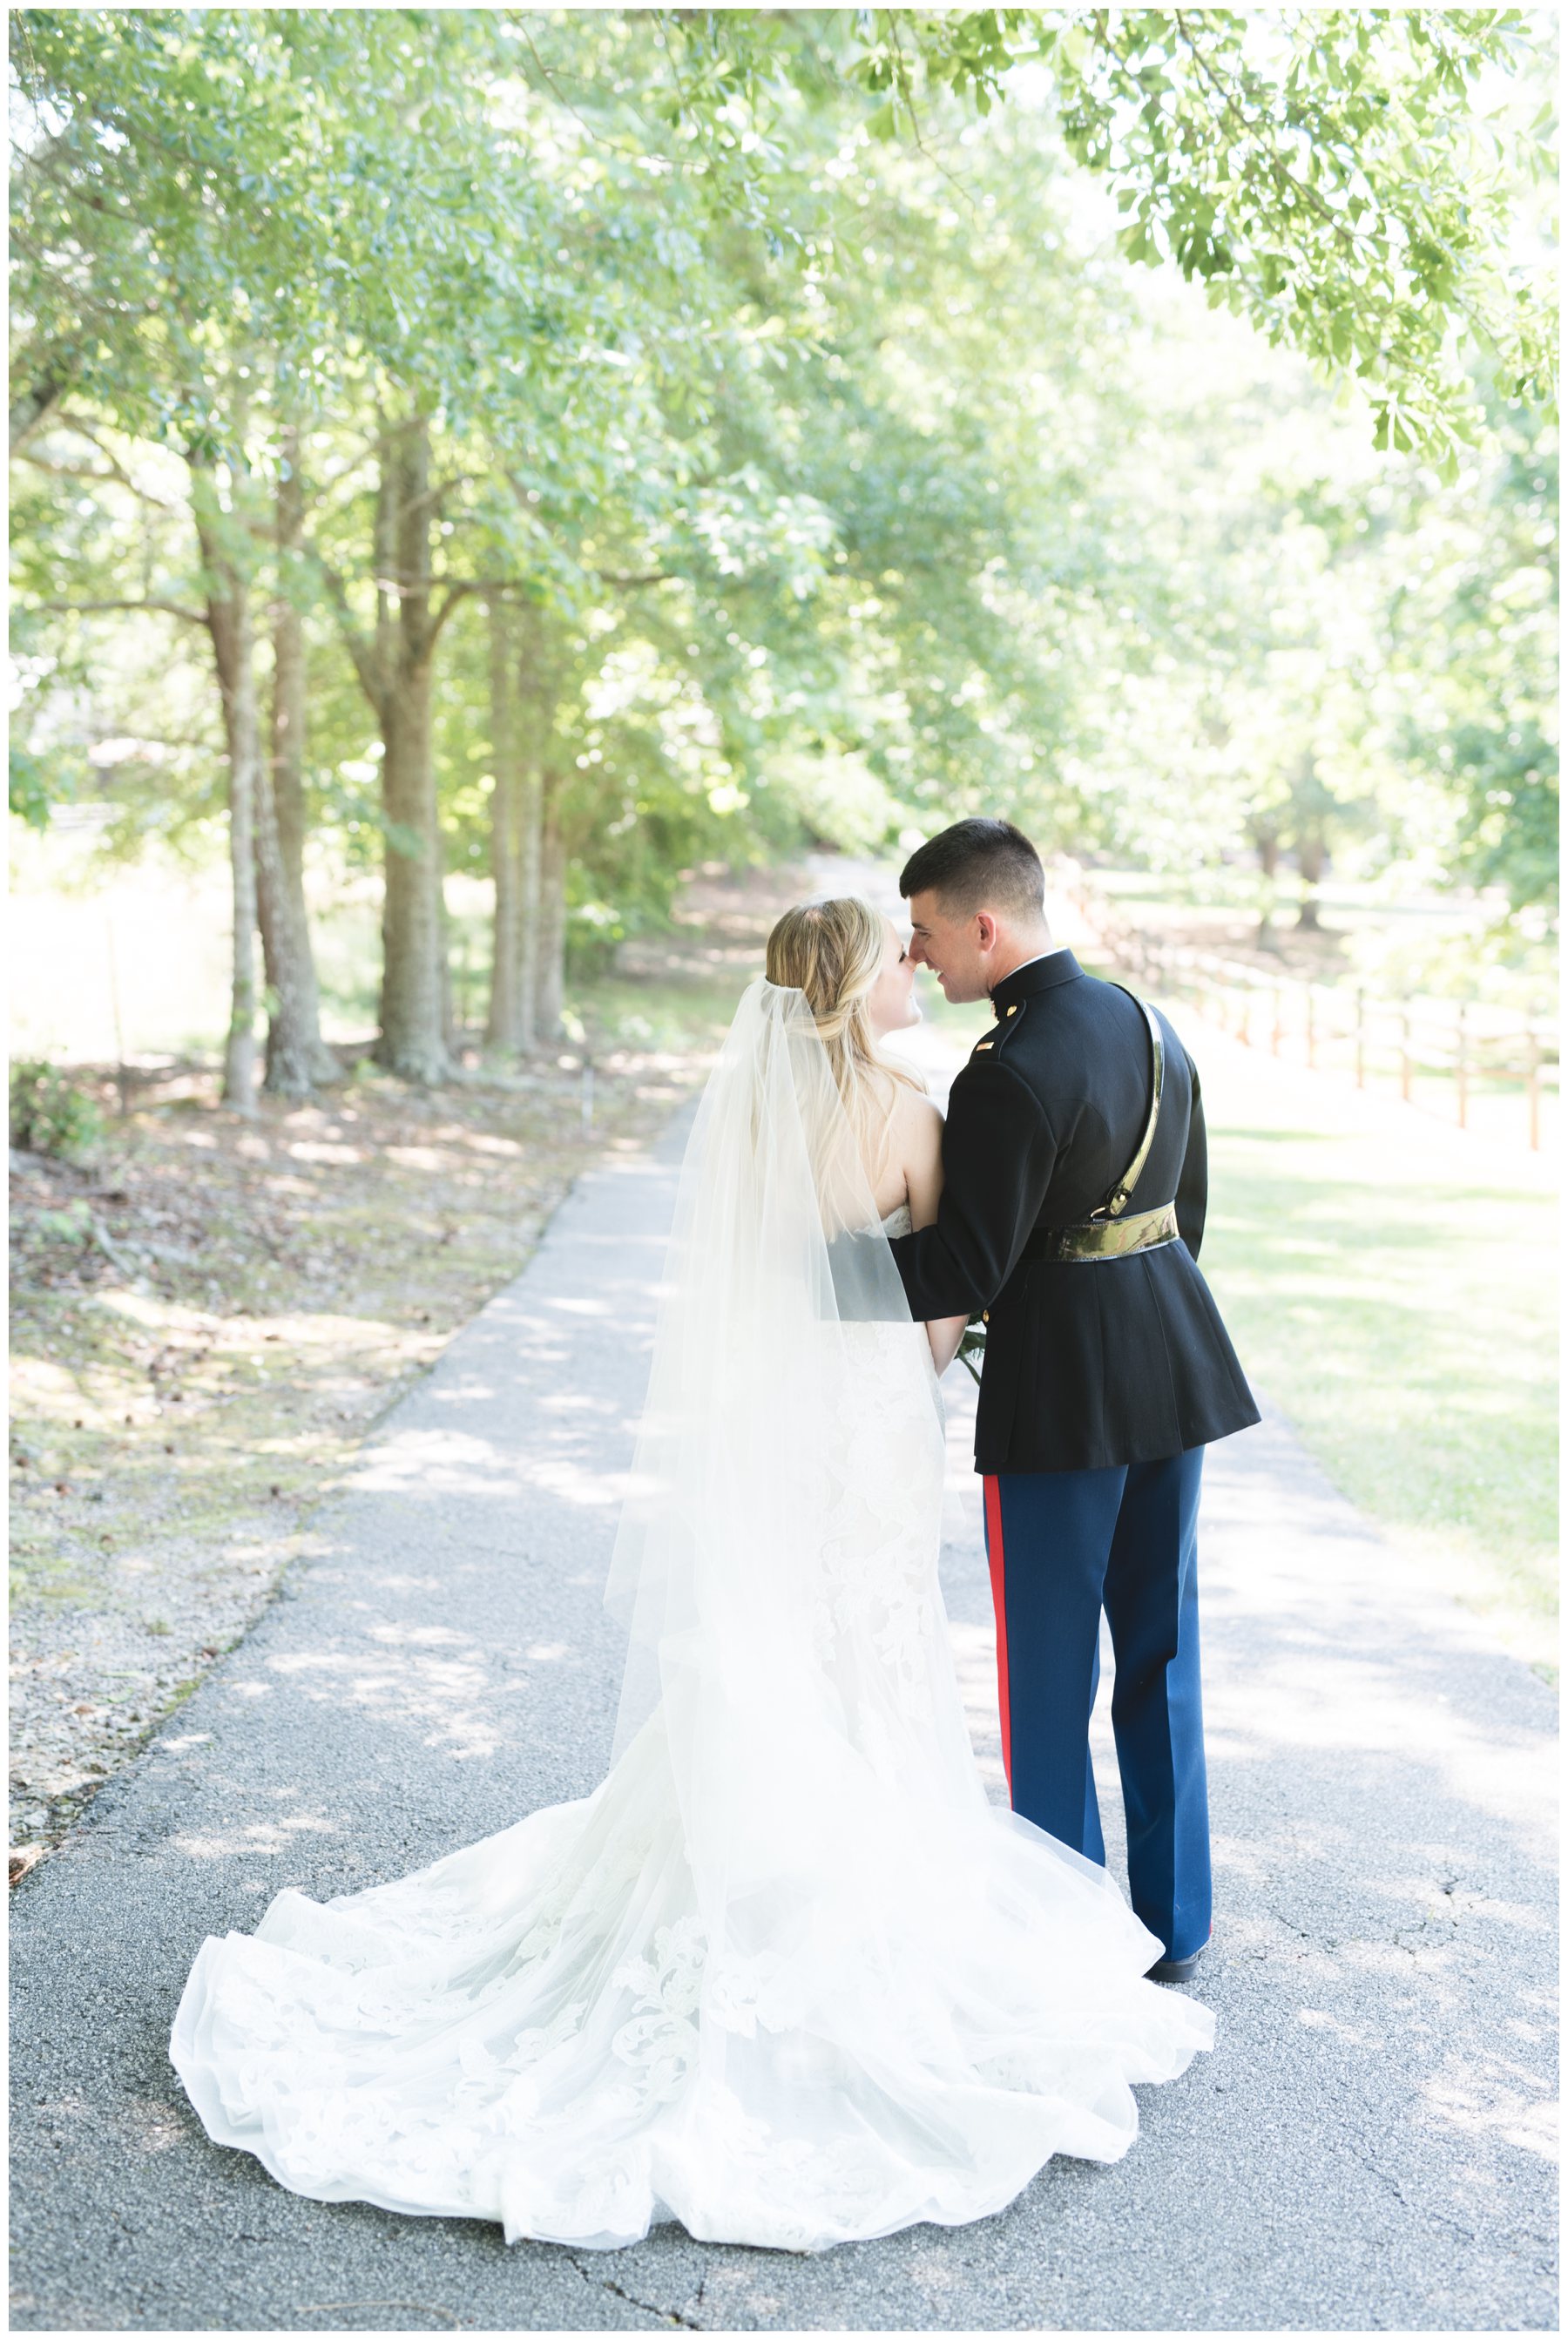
x: 1108, y: 1238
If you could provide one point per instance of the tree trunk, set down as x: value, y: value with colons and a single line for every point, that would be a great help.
x: 229, y: 622
x: 410, y: 1040
x: 537, y: 682
x: 503, y: 1023
x: 550, y: 942
x: 453, y: 1021
x: 289, y: 678
x: 297, y: 1057
x: 530, y: 875
x: 1310, y: 854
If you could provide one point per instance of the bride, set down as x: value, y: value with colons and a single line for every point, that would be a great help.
x: 787, y: 1975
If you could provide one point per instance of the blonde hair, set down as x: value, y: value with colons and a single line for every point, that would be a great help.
x: 832, y: 951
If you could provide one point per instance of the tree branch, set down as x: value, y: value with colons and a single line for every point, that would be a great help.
x: 435, y: 496
x: 367, y: 665
x: 169, y: 608
x: 458, y: 589
x: 115, y: 473
x: 637, y: 153
x: 33, y: 408
x: 455, y: 593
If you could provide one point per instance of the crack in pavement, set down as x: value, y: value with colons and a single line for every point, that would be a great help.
x: 670, y: 2316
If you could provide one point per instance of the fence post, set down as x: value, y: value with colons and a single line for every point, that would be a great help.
x: 1404, y: 1054
x: 1360, y: 1037
x: 1462, y: 1067
x: 1533, y: 1085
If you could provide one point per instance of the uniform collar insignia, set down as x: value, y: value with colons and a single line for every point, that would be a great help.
x: 1039, y: 974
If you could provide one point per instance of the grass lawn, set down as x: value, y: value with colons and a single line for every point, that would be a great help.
x: 1391, y: 1284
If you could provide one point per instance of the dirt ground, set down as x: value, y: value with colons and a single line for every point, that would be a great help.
x: 209, y: 1314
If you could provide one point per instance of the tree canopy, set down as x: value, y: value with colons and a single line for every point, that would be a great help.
x: 564, y: 445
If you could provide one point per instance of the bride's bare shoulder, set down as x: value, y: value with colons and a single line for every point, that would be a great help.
x: 913, y: 1109
x: 907, y: 1145
x: 917, y: 1144
x: 917, y: 1124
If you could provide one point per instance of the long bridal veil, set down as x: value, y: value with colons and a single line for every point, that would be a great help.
x: 776, y: 1262
x: 786, y: 1976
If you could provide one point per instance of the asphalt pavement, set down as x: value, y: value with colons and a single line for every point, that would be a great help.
x: 1369, y: 2146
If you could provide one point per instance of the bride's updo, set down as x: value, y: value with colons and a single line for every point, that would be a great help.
x: 832, y: 951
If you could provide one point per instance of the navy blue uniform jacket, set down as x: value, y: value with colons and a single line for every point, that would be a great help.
x: 1088, y: 1363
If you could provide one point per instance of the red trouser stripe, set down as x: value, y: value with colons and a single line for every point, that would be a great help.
x: 999, y: 1602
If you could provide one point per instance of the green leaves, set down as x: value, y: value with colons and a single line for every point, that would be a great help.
x: 800, y: 404
x: 1324, y: 164
x: 33, y: 786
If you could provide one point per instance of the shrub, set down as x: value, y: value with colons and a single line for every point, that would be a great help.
x: 49, y: 1116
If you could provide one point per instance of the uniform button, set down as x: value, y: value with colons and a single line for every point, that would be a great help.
x: 985, y: 1315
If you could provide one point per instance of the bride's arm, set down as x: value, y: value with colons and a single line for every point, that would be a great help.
x: 923, y: 1173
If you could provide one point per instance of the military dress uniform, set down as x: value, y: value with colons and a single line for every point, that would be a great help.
x: 1072, y: 1211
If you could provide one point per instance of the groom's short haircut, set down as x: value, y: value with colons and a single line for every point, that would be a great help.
x: 977, y: 865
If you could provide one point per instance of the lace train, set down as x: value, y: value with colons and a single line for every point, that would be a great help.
x: 915, y: 1999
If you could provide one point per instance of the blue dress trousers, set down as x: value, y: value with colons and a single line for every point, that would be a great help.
x: 1062, y: 1545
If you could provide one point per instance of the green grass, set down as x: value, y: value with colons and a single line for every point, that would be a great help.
x: 663, y: 1013
x: 1393, y: 1288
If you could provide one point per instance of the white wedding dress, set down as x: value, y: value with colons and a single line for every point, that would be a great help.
x: 787, y: 1975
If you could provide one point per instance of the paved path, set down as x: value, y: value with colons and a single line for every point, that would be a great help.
x: 1366, y: 2148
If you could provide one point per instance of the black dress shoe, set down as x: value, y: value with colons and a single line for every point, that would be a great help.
x: 1176, y: 1970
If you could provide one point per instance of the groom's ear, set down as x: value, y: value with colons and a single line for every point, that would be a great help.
x: 986, y: 926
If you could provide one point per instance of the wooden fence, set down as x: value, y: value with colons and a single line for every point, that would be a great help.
x: 1465, y: 1043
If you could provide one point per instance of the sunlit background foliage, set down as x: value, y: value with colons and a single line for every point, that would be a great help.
x: 713, y: 433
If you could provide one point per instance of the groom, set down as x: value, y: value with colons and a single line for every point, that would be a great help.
x: 1072, y: 1210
